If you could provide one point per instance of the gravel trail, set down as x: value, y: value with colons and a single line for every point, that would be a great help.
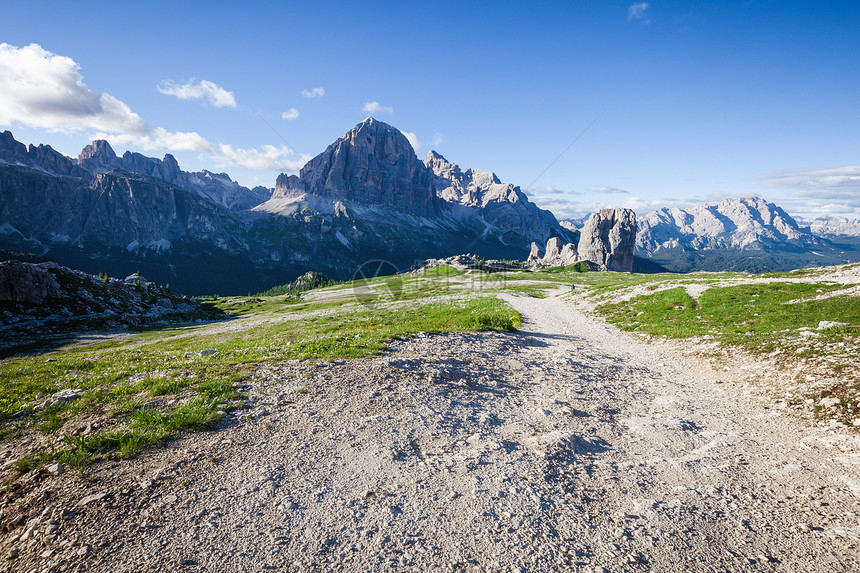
x: 566, y: 446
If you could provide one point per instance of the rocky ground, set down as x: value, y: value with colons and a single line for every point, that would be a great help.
x: 566, y: 445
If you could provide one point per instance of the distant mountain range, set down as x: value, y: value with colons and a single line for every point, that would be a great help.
x: 832, y: 226
x: 746, y: 234
x: 367, y: 196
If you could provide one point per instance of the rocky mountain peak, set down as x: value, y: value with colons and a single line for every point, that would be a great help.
x: 11, y: 150
x: 372, y: 164
x: 441, y: 167
x: 98, y: 149
x: 98, y: 157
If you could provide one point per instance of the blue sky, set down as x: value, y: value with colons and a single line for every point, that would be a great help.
x: 693, y: 102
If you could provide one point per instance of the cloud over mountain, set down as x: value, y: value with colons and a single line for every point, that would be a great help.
x: 46, y: 90
x: 375, y: 107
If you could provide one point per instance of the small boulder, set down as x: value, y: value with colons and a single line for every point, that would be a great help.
x: 27, y: 282
x: 67, y: 395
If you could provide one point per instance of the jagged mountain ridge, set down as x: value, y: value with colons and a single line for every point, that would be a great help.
x: 219, y: 188
x: 832, y: 226
x: 740, y: 223
x: 366, y: 196
x: 503, y: 205
x: 742, y: 234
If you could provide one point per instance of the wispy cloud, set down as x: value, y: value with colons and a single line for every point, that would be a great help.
x: 46, y: 90
x: 313, y: 93
x: 638, y: 12
x: 818, y: 189
x: 609, y: 190
x: 815, y: 179
x: 203, y: 89
x: 542, y: 191
x: 290, y: 114
x: 437, y: 140
x: 375, y: 107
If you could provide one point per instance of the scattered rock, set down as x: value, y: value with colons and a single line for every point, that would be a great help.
x: 91, y: 499
x: 825, y: 324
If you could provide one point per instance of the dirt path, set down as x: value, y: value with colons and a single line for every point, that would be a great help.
x: 567, y: 445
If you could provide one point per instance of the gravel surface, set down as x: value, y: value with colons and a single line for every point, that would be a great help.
x: 566, y: 445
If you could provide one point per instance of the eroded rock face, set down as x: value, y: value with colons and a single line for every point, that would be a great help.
x: 553, y: 248
x: 569, y: 255
x: 42, y: 157
x: 608, y: 239
x: 535, y: 253
x: 373, y: 164
x: 26, y: 282
x: 99, y: 157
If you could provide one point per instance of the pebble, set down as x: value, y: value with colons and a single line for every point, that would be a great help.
x: 56, y: 469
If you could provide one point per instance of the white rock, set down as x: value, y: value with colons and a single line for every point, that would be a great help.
x: 830, y: 324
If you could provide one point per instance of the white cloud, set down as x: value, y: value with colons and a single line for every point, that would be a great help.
x: 291, y: 113
x: 375, y: 107
x: 609, y: 190
x: 413, y: 140
x: 160, y: 138
x: 269, y: 157
x: 314, y: 93
x: 204, y: 89
x: 638, y: 12
x: 437, y: 140
x: 45, y: 90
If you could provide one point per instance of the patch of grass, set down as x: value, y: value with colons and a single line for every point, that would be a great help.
x: 749, y: 315
x: 442, y: 271
x: 151, y: 386
x: 536, y: 290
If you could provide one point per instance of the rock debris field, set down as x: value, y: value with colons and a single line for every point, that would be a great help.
x: 566, y: 446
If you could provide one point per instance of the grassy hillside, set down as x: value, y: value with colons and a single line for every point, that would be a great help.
x: 114, y: 395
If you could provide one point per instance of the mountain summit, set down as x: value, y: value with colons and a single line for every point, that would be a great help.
x: 372, y: 164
